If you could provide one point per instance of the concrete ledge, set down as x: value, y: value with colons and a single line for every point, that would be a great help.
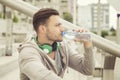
x: 8, y: 63
x: 2, y: 51
x: 8, y: 67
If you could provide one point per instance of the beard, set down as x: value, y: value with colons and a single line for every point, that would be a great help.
x: 51, y: 36
x: 54, y: 38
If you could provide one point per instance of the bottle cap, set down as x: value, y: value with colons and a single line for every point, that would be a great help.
x: 63, y: 33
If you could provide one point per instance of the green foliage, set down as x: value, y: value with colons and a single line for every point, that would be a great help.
x: 15, y: 19
x: 67, y: 16
x: 0, y: 15
x: 113, y: 33
x: 104, y: 33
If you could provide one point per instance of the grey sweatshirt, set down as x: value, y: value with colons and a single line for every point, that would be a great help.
x: 35, y: 64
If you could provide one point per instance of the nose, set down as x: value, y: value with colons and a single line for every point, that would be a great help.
x: 62, y: 28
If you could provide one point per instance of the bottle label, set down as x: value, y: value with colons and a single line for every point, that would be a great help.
x: 84, y: 36
x: 72, y: 35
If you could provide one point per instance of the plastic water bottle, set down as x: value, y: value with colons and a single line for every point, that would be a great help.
x: 70, y: 34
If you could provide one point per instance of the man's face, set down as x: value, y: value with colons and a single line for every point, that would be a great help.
x: 54, y: 29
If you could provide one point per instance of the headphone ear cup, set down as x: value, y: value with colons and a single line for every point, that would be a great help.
x: 47, y: 48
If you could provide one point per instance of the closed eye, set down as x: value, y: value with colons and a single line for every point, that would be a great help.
x: 59, y: 24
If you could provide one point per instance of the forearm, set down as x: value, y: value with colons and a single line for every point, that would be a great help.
x: 88, y: 59
x: 83, y: 64
x: 88, y: 56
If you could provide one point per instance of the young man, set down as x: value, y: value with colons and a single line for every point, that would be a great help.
x: 46, y: 56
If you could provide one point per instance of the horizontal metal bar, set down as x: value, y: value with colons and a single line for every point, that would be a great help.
x: 20, y: 6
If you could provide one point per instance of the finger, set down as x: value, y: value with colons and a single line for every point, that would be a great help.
x: 78, y: 40
x: 84, y: 30
x: 80, y: 30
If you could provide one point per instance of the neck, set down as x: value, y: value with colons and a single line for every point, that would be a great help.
x: 43, y: 40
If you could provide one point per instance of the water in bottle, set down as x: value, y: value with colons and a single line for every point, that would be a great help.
x: 70, y: 34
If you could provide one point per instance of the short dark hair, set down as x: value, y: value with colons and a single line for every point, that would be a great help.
x: 41, y: 17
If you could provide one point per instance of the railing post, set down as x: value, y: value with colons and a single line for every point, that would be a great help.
x: 118, y: 29
x: 4, y: 11
x: 99, y: 18
x: 9, y: 33
x: 109, y: 64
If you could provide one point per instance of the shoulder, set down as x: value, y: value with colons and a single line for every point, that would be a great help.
x: 29, y: 50
x: 28, y: 54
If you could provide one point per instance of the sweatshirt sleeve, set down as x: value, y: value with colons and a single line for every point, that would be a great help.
x: 83, y: 64
x: 31, y: 65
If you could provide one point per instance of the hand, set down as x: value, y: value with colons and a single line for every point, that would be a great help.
x: 77, y: 39
x: 87, y: 43
x: 80, y: 30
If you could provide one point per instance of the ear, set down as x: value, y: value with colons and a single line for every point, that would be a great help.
x: 42, y: 28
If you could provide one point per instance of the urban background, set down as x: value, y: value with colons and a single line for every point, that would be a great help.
x: 96, y: 17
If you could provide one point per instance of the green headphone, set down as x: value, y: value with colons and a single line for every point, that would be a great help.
x: 46, y: 47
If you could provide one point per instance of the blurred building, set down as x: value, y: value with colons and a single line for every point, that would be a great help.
x: 88, y: 16
x: 25, y: 22
x: 104, y: 16
x: 60, y: 5
x: 84, y: 18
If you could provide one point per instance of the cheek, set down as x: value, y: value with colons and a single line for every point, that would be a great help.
x: 51, y: 33
x: 57, y: 30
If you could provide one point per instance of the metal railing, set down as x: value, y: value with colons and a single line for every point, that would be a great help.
x: 98, y: 41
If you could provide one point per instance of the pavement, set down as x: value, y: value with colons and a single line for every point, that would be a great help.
x: 12, y: 75
x: 9, y: 63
